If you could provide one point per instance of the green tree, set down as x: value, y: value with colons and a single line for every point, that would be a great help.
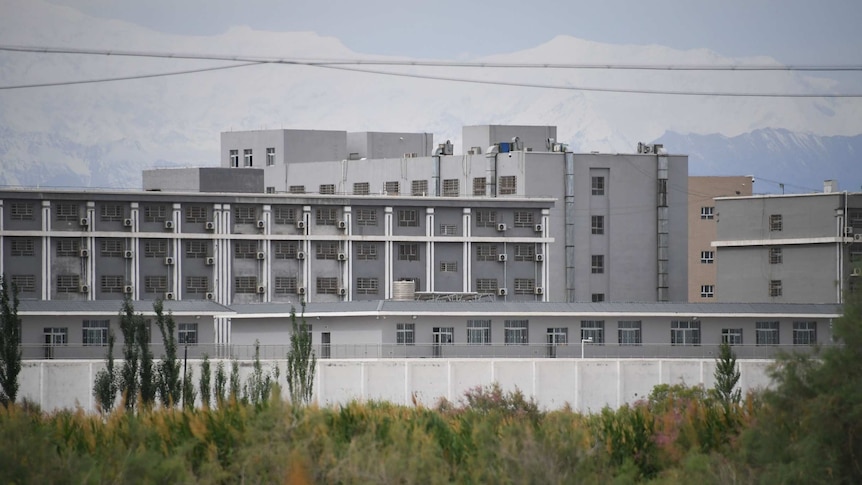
x: 105, y: 387
x: 301, y: 361
x: 220, y: 385
x: 726, y: 376
x: 148, y: 374
x: 130, y: 325
x: 169, y: 367
x: 205, y: 385
x: 10, y: 346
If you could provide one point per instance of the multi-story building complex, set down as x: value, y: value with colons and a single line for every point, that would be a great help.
x: 702, y: 192
x: 788, y: 248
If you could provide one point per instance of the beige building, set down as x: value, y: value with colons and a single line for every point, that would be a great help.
x: 702, y: 219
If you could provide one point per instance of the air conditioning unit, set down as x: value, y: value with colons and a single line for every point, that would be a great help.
x: 848, y: 231
x: 538, y: 228
x: 501, y: 227
x: 502, y: 291
x: 540, y: 290
x: 342, y: 257
x: 169, y: 261
x: 261, y: 255
x: 209, y: 226
x: 502, y: 258
x: 127, y: 222
x: 342, y: 291
x: 128, y: 289
x: 857, y: 237
x: 210, y: 261
x: 170, y: 295
x: 84, y: 288
x: 210, y: 296
x: 342, y: 224
x: 128, y: 254
x: 300, y: 224
x: 85, y: 221
x: 300, y: 290
x: 300, y: 255
x: 540, y: 258
x: 261, y: 290
x: 169, y: 225
x: 856, y: 272
x: 84, y: 253
x: 261, y: 224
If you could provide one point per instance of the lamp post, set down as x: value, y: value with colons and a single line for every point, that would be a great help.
x: 585, y: 341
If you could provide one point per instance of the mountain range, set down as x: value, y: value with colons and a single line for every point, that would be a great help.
x: 103, y: 134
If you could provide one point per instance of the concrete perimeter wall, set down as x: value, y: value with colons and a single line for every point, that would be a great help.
x: 587, y: 385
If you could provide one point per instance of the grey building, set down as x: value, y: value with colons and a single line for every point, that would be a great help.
x: 791, y: 248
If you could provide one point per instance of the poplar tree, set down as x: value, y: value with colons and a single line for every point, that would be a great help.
x: 10, y: 346
x: 301, y: 361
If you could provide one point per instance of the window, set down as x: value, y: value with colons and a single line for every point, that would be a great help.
x: 391, y: 188
x: 775, y: 222
x: 707, y: 257
x: 525, y: 286
x: 766, y: 333
x: 558, y: 336
x: 21, y: 246
x: 775, y: 256
x: 155, y: 213
x: 245, y: 249
x: 366, y: 286
x: 67, y: 212
x: 234, y: 158
x: 285, y: 285
x: 247, y: 158
x: 197, y: 284
x: 707, y: 213
x: 775, y: 288
x: 525, y: 252
x: 270, y: 156
x: 285, y: 249
x: 187, y: 333
x: 26, y: 283
x: 405, y: 333
x: 284, y: 215
x: 598, y: 184
x: 451, y: 188
x: 479, y: 186
x: 419, y: 188
x: 597, y: 297
x: 112, y: 283
x: 366, y: 251
x: 629, y: 332
x: 731, y: 336
x: 486, y: 286
x: 408, y: 218
x: 155, y: 248
x: 196, y: 213
x: 598, y: 264
x: 366, y: 217
x: 478, y: 332
x: 804, y: 333
x: 707, y: 291
x: 598, y: 224
x: 68, y: 283
x: 593, y: 329
x: 155, y: 284
x: 516, y: 332
x: 21, y: 211
x: 245, y: 284
x: 95, y: 332
x: 448, y: 266
x: 854, y: 218
x: 441, y: 336
x: 327, y: 189
x: 408, y: 252
x: 54, y: 336
x: 508, y: 185
x: 448, y: 229
x: 327, y: 285
x: 523, y: 219
x: 196, y: 249
x: 684, y: 332
x: 326, y: 250
x: 296, y: 189
x: 486, y: 218
x: 68, y: 247
x: 111, y: 212
x: 245, y: 215
x: 326, y: 216
x: 361, y: 188
x: 486, y: 252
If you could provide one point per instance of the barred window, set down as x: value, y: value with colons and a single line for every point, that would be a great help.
x: 525, y: 286
x: 448, y: 230
x: 486, y: 252
x: 155, y: 213
x: 408, y: 218
x: 361, y: 188
x: 593, y: 329
x: 598, y: 224
x: 478, y: 332
x: 597, y: 297
x: 196, y: 213
x: 684, y: 332
x: 707, y: 291
x: 598, y: 264
x: 285, y: 249
x: 486, y: 218
x: 629, y: 332
x: 366, y: 217
x: 326, y: 250
x: 196, y: 249
x: 731, y: 336
x: 707, y: 213
x: 366, y: 286
x: 419, y: 188
x: 479, y: 186
x: 155, y: 248
x: 68, y: 283
x: 285, y: 215
x: 775, y: 222
x: 26, y: 283
x: 405, y: 333
x: 67, y: 212
x: 766, y: 333
x: 516, y: 332
x: 451, y: 188
x: 408, y: 252
x: 508, y: 185
x: 155, y: 284
x: 804, y: 333
x: 245, y: 214
x: 327, y: 189
x: 112, y: 283
x: 285, y: 285
x: 187, y: 333
x: 21, y: 211
x: 245, y: 284
x: 245, y: 249
x: 327, y: 285
x: 296, y: 189
x: 21, y: 246
x: 95, y: 332
x: 68, y: 247
x: 448, y: 266
x: 523, y: 219
x: 775, y: 256
x: 486, y: 286
x: 197, y: 284
x: 598, y: 184
x: 525, y: 252
x: 366, y: 251
x: 775, y: 288
x: 111, y: 212
x: 391, y: 188
x: 326, y: 216
x: 707, y: 257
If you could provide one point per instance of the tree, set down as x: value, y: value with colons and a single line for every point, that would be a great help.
x: 220, y: 385
x: 130, y: 325
x: 10, y: 346
x: 169, y: 367
x: 301, y: 361
x: 149, y: 378
x: 726, y: 376
x: 105, y: 387
x: 205, y: 382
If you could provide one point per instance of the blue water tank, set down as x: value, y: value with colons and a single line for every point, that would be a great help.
x: 504, y: 147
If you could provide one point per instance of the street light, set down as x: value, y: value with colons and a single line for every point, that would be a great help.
x: 585, y: 341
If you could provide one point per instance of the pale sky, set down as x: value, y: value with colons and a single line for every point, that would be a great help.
x: 791, y: 31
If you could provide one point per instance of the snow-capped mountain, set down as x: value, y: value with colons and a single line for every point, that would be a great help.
x: 104, y: 134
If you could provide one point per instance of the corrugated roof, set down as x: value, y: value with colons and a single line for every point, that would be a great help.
x: 112, y: 307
